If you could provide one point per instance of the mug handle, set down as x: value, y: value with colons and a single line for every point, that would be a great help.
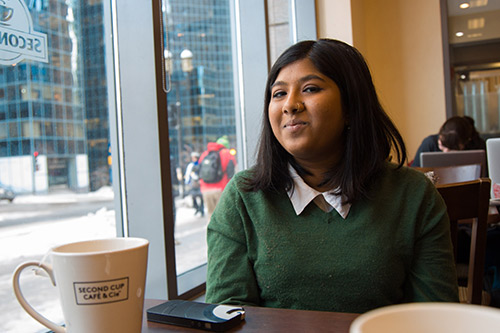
x: 26, y: 306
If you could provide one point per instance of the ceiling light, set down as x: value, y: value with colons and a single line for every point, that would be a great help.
x: 464, y: 5
x: 476, y: 23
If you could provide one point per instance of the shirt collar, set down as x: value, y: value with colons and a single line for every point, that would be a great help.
x: 302, y: 194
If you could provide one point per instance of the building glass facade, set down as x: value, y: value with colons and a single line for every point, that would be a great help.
x: 59, y: 111
x: 201, y: 101
x: 95, y: 92
x: 55, y: 113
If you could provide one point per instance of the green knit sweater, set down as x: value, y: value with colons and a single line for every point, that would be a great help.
x: 393, y: 248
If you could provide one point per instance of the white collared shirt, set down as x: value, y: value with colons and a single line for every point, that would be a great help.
x: 303, y: 194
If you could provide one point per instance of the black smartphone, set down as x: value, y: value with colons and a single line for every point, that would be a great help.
x: 211, y: 317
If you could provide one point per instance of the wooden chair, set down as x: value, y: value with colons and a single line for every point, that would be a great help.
x: 462, y: 173
x: 470, y: 201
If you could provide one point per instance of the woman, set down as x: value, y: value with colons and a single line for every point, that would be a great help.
x: 375, y: 233
x: 456, y: 133
x: 459, y: 133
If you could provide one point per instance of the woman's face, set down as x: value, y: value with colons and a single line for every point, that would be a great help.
x: 445, y: 149
x: 442, y: 147
x: 306, y: 115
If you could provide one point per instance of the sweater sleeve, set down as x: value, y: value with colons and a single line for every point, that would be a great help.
x: 432, y: 276
x: 230, y: 275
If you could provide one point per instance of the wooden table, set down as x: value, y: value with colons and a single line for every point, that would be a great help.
x: 268, y: 320
x: 493, y: 215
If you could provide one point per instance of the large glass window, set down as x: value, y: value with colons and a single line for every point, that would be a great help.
x: 477, y: 95
x: 475, y: 62
x: 55, y: 164
x: 94, y: 147
x: 201, y: 111
x: 280, y: 34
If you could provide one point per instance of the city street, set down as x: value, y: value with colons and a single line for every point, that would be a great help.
x: 32, y: 212
x: 32, y: 224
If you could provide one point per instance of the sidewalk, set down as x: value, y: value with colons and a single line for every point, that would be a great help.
x: 66, y: 196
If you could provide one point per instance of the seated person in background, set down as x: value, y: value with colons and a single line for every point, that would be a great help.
x: 324, y: 221
x: 457, y: 133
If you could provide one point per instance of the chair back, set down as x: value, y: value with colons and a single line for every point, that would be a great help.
x: 493, y: 156
x: 470, y: 201
x: 452, y: 174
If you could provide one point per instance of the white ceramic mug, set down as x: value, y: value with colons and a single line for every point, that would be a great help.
x: 434, y: 317
x: 101, y: 285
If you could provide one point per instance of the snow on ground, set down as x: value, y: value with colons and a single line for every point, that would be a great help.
x: 43, y: 236
x: 23, y: 242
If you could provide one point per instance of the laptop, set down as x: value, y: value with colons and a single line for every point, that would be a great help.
x: 456, y: 157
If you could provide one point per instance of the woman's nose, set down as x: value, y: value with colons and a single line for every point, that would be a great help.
x: 293, y: 106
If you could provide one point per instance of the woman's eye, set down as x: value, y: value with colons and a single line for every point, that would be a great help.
x: 311, y: 89
x: 278, y: 94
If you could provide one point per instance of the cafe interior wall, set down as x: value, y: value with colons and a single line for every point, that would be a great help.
x: 402, y: 43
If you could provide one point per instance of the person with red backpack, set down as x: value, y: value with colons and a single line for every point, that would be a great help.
x: 216, y: 167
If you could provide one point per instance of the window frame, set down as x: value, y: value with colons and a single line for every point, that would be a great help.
x: 140, y: 192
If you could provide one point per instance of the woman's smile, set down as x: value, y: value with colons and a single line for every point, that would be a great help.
x: 295, y: 125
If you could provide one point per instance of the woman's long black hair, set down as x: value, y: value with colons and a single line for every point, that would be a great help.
x: 368, y: 140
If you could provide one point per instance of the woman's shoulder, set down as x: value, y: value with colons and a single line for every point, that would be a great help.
x: 242, y: 183
x: 242, y: 176
x: 433, y: 138
x: 404, y: 184
x: 240, y: 180
x: 405, y: 175
x: 430, y: 143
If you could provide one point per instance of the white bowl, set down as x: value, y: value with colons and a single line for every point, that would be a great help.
x: 429, y: 318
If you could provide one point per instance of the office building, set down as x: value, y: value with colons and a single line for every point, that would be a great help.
x: 59, y: 110
x: 54, y: 130
x: 201, y: 100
